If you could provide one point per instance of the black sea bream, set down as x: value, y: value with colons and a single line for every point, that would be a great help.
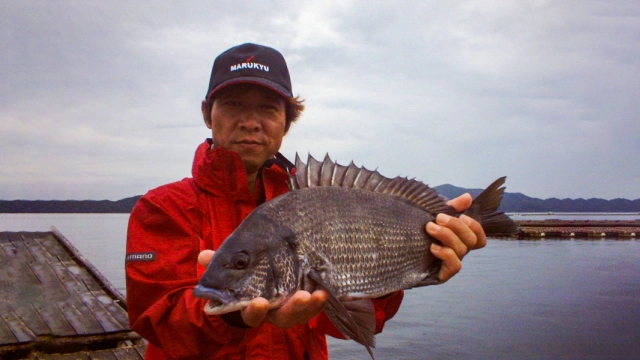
x: 344, y: 229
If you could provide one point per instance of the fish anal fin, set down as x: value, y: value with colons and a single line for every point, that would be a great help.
x: 354, y: 318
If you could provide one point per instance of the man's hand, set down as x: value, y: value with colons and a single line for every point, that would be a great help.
x: 458, y: 237
x: 299, y: 309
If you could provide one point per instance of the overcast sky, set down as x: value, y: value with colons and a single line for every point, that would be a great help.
x: 101, y: 99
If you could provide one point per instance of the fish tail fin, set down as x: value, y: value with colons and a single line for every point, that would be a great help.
x: 498, y: 224
x: 484, y: 209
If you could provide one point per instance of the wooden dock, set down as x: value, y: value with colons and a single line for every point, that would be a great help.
x: 592, y: 229
x: 54, y: 304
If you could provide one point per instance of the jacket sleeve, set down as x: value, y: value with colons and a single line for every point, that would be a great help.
x: 385, y: 308
x: 161, y: 271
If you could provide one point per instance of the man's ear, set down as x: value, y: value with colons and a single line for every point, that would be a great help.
x: 206, y: 114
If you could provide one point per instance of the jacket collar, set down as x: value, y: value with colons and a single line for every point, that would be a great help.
x: 221, y: 172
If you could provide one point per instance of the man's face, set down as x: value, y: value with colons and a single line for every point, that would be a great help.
x: 248, y: 119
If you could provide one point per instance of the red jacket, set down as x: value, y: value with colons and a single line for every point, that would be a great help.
x: 168, y: 228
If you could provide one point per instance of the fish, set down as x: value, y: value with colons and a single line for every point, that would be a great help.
x: 345, y: 229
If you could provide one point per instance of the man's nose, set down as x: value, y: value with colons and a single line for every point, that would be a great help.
x: 250, y: 119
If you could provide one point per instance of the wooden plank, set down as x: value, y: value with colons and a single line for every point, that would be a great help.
x: 30, y: 316
x: 51, y: 243
x: 86, y: 316
x: 82, y: 276
x: 110, y: 289
x: 18, y: 328
x: 8, y: 236
x: 112, y: 306
x: 76, y: 318
x: 55, y: 320
x: 104, y: 317
x: 6, y: 335
x: 66, y: 278
x: 8, y: 247
x: 16, y: 250
x: 142, y: 349
x: 79, y: 281
x: 72, y: 356
x: 51, y: 288
x: 39, y: 253
x: 127, y: 353
x: 11, y: 280
x: 23, y: 288
x: 103, y: 355
x: 48, y: 293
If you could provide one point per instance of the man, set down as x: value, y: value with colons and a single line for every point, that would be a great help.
x: 249, y: 106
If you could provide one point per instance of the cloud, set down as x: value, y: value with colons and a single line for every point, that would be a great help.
x: 103, y: 99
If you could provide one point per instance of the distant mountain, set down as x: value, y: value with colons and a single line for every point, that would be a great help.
x: 517, y: 202
x: 511, y: 202
x: 68, y: 206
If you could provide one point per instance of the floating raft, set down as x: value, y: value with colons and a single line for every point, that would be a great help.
x: 54, y: 304
x: 625, y: 229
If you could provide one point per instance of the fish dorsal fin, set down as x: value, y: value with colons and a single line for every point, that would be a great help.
x: 328, y: 173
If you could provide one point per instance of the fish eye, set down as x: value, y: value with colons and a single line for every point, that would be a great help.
x: 240, y: 260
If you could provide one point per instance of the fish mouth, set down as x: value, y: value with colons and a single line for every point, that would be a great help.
x: 220, y: 301
x: 213, y: 295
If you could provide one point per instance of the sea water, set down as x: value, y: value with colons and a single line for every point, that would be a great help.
x: 514, y: 299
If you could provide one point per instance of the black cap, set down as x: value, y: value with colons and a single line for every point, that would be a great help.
x: 251, y: 63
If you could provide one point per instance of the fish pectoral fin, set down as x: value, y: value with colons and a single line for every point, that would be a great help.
x: 355, y: 318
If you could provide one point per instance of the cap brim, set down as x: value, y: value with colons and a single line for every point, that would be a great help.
x: 253, y: 80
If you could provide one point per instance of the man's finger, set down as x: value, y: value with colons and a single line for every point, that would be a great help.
x: 476, y: 228
x: 301, y: 308
x: 451, y: 264
x: 461, y: 203
x: 204, y: 258
x: 447, y: 238
x: 254, y: 314
x: 461, y: 238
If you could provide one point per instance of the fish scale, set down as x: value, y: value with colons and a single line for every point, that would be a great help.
x: 398, y: 242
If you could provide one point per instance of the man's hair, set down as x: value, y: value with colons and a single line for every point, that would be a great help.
x: 293, y: 110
